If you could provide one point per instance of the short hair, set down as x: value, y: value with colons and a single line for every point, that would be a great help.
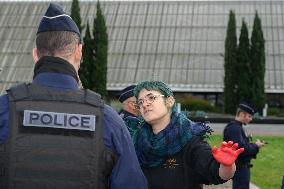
x: 56, y: 42
x: 239, y: 111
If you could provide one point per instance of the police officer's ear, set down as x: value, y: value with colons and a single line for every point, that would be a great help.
x: 78, y: 55
x: 78, y: 51
x: 35, y: 55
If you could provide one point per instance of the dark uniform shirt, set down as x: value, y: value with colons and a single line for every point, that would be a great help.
x: 124, y: 114
x: 234, y: 132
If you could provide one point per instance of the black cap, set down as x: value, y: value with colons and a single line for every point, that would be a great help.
x: 126, y: 93
x: 246, y: 107
x: 55, y: 19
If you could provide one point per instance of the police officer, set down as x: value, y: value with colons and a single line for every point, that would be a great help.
x: 234, y: 131
x: 53, y: 135
x: 128, y: 100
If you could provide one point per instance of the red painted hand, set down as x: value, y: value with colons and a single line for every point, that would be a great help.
x: 227, y: 153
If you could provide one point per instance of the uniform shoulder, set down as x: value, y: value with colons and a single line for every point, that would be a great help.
x: 112, y: 118
x: 3, y: 103
x: 233, y: 126
x: 116, y: 134
x: 232, y: 123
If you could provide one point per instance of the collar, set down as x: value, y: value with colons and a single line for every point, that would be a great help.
x: 126, y: 113
x: 56, y: 80
x: 238, y: 122
x: 51, y: 64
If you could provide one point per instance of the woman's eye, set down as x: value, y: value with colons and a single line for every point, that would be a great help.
x: 151, y: 98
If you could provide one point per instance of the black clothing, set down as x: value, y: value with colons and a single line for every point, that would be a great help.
x: 189, y: 169
x: 39, y: 155
x: 124, y: 114
x: 234, y: 132
x: 54, y: 65
x: 241, y: 178
x: 55, y: 19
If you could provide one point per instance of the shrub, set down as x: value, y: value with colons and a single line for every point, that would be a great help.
x: 193, y: 104
x: 273, y: 112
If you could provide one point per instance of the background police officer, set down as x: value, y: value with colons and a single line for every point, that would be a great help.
x: 234, y: 131
x: 128, y: 100
x: 39, y: 153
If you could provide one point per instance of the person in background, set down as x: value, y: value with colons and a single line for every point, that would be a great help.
x: 234, y: 131
x: 128, y: 100
x: 170, y: 148
x: 53, y: 135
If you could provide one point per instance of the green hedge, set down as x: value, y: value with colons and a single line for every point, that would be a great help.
x: 194, y: 104
x: 273, y: 112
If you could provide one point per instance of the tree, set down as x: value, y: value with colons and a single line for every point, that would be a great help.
x: 87, y: 66
x: 101, y: 47
x: 258, y: 64
x: 243, y: 67
x: 230, y: 58
x: 75, y: 13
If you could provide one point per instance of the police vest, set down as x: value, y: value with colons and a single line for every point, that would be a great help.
x: 55, y: 140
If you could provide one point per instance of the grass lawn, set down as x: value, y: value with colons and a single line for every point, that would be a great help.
x: 268, y: 168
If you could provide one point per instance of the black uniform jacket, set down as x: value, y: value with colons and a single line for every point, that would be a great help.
x: 124, y: 114
x: 234, y: 131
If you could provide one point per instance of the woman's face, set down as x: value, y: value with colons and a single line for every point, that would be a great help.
x: 153, y: 106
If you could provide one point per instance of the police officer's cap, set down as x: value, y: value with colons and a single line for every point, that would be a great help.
x: 55, y: 19
x: 126, y: 93
x: 246, y: 107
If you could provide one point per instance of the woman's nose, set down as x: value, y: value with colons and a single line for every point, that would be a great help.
x: 145, y: 103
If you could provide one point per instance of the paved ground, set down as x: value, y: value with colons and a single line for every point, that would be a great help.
x: 227, y: 185
x: 255, y: 129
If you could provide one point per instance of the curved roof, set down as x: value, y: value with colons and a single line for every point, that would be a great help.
x: 178, y: 42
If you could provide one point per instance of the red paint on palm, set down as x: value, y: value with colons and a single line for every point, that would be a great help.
x: 227, y: 153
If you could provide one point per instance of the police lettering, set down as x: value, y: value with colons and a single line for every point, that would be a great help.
x: 59, y: 120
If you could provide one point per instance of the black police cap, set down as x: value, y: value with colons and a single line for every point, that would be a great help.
x: 246, y: 107
x: 126, y: 93
x: 55, y: 19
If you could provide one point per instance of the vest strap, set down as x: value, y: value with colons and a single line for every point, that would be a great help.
x: 37, y: 93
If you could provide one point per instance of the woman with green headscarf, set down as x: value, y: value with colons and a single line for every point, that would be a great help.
x: 171, y: 148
